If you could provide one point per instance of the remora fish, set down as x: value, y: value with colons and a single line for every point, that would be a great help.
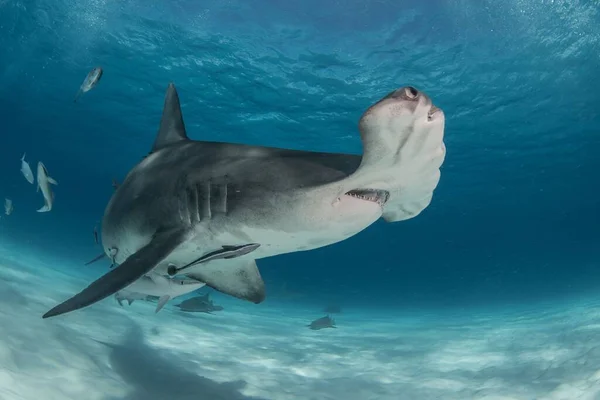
x: 90, y: 81
x: 44, y: 181
x: 199, y: 304
x: 159, y: 286
x: 26, y: 170
x: 189, y: 198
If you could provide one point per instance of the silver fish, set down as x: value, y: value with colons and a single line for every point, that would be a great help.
x: 90, y: 81
x: 26, y: 170
x: 44, y: 182
x: 8, y: 206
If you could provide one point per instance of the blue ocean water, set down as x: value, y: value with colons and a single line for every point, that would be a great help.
x: 491, y: 292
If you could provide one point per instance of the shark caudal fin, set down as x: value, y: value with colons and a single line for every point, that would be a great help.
x: 137, y: 265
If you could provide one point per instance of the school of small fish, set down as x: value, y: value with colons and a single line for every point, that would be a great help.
x: 44, y: 180
x: 43, y: 183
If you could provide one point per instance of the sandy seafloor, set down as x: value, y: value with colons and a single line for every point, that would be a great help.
x: 265, y: 352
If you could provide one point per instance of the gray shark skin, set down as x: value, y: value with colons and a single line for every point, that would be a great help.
x: 188, y: 198
x: 322, y: 323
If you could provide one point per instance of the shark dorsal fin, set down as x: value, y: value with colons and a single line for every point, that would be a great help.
x: 172, y: 128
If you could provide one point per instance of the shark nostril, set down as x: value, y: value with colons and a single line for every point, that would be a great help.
x: 411, y: 92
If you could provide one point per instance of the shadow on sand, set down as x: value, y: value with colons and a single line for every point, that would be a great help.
x: 155, y: 374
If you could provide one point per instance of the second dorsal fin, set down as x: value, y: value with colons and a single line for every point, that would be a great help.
x: 172, y: 128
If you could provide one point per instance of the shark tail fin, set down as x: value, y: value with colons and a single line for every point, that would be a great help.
x: 79, y: 92
x: 23, y: 158
x: 136, y: 265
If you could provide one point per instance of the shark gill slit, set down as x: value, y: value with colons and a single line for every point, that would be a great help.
x: 195, y: 209
x: 207, y: 212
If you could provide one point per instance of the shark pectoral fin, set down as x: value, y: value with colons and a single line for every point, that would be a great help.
x: 161, y: 302
x: 238, y: 278
x: 130, y: 301
x: 136, y: 265
x: 52, y: 181
x: 45, y: 208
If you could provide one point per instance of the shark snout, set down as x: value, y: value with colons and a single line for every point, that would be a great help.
x: 420, y: 99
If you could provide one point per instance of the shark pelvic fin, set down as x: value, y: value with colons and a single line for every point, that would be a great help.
x: 172, y: 128
x: 136, y: 265
x: 239, y: 278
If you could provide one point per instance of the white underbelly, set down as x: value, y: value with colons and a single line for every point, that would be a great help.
x: 290, y: 235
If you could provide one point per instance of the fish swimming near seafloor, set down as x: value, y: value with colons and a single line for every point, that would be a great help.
x: 26, y: 170
x: 157, y: 285
x: 90, y: 81
x: 199, y: 304
x: 322, y: 323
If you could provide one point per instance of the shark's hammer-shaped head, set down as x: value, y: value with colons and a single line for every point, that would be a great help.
x: 403, y: 149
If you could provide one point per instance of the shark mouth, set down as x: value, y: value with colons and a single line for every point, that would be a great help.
x: 373, y: 195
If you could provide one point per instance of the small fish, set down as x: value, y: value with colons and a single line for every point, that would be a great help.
x: 157, y: 286
x: 43, y: 183
x: 96, y: 235
x: 322, y: 323
x: 199, y: 304
x: 26, y: 170
x: 90, y: 81
x: 8, y: 206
